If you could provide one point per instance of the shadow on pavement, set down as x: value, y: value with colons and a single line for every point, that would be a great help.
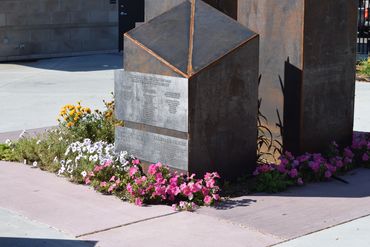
x: 34, y: 242
x: 85, y: 63
x: 358, y: 187
x: 230, y: 204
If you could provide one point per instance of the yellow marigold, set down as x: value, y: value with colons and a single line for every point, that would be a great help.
x: 78, y: 107
x: 76, y: 119
x: 70, y: 124
x: 70, y: 107
x: 88, y: 110
x: 71, y: 113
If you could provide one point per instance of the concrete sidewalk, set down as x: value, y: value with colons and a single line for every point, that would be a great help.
x: 31, y: 93
x: 79, y: 213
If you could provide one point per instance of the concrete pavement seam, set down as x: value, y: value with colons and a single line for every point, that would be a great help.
x: 246, y: 227
x: 326, y: 228
x: 126, y: 224
x: 20, y: 215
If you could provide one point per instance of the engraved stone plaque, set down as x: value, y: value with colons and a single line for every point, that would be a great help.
x: 160, y: 101
x: 152, y: 147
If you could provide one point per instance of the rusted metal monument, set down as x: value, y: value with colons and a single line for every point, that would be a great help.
x: 154, y: 8
x: 311, y: 46
x: 307, y: 63
x: 188, y: 92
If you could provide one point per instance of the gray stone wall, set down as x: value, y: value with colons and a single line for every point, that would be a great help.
x: 49, y: 28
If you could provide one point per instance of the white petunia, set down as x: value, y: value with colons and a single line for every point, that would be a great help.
x: 22, y: 134
x: 38, y: 142
x: 34, y: 164
x: 84, y: 174
x: 8, y: 142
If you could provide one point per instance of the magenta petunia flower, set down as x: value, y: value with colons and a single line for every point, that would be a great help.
x: 365, y: 157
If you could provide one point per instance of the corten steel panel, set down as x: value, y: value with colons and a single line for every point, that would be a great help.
x: 168, y: 36
x: 229, y: 7
x: 222, y: 114
x: 222, y: 72
x: 328, y: 73
x: 318, y: 39
x: 153, y: 8
x: 280, y: 26
x: 140, y: 59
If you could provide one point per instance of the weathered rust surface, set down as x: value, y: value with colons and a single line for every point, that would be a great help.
x: 153, y: 8
x: 222, y: 114
x: 318, y: 40
x: 168, y: 37
x: 280, y: 26
x: 222, y: 87
x: 229, y: 7
x: 328, y: 88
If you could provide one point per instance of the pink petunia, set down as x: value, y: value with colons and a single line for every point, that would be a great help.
x: 107, y: 163
x: 293, y: 173
x: 133, y: 170
x: 138, y: 202
x: 129, y: 188
x: 152, y: 169
x: 348, y: 153
x: 207, y: 200
x: 328, y: 174
x: 365, y: 157
x: 216, y: 197
x: 111, y: 188
x: 136, y: 162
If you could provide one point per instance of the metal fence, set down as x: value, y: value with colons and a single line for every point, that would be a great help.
x: 363, y: 29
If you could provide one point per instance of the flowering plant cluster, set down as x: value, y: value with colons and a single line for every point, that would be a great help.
x: 162, y: 186
x: 97, y: 164
x: 312, y: 167
x: 81, y: 157
x: 70, y: 115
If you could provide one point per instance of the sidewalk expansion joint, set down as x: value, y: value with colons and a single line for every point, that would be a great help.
x: 244, y: 226
x: 323, y: 229
x: 126, y: 224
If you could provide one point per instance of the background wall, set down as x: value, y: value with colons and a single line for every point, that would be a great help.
x: 50, y: 28
x: 154, y: 8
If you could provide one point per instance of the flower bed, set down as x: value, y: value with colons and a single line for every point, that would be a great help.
x: 82, y: 150
x: 313, y: 167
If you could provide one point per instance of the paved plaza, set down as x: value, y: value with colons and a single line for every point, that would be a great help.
x: 40, y: 209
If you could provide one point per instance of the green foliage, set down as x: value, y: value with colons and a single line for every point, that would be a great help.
x: 76, y: 124
x: 43, y: 149
x: 272, y: 182
x: 7, y: 153
x: 363, y: 68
